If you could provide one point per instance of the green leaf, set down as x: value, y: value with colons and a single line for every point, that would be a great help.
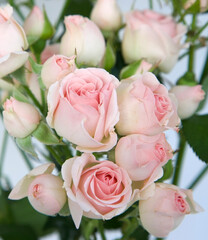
x: 19, y: 96
x: 26, y: 145
x: 48, y: 29
x: 130, y: 70
x: 187, y: 79
x: 19, y: 75
x: 168, y: 171
x: 45, y: 135
x: 194, y: 8
x: 195, y: 130
x: 32, y: 39
x: 83, y: 7
x: 109, y: 57
x: 35, y: 66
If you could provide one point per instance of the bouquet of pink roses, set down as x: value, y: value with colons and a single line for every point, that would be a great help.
x: 88, y: 107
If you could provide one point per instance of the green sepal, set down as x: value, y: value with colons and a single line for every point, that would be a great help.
x: 19, y: 75
x: 187, y: 79
x: 44, y: 134
x: 168, y: 171
x: 195, y: 130
x: 32, y: 39
x: 130, y: 70
x: 48, y: 29
x: 26, y: 145
x: 109, y: 57
x: 19, y: 96
x: 36, y: 68
x: 65, y: 210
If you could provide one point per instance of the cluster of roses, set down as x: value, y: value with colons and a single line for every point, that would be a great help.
x: 86, y: 105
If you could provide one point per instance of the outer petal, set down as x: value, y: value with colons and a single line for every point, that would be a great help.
x: 12, y: 62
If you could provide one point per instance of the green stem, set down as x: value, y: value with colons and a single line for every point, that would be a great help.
x: 101, y: 230
x: 3, y: 151
x: 204, y: 71
x: 16, y: 8
x: 26, y: 159
x: 179, y: 160
x: 198, y: 178
x: 63, y: 13
x: 192, y: 48
x: 159, y: 238
x: 150, y: 4
x: 55, y: 155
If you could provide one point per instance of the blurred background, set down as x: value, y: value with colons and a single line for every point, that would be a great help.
x: 194, y: 226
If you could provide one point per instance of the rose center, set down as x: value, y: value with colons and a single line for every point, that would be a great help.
x: 62, y: 63
x: 36, y: 190
x: 162, y: 106
x: 160, y: 152
x: 181, y: 203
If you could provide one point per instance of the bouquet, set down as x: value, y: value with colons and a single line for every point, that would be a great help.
x: 88, y: 106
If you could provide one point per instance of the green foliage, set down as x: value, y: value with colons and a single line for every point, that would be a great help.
x: 109, y: 57
x: 36, y: 68
x: 130, y: 70
x: 48, y: 29
x: 19, y: 96
x: 187, y: 79
x: 19, y: 75
x: 168, y: 171
x: 83, y: 7
x: 26, y: 145
x: 195, y: 130
x: 44, y: 134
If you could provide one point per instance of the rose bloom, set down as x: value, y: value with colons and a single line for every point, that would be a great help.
x: 143, y: 156
x: 154, y: 37
x: 189, y: 98
x: 95, y: 189
x: 20, y: 118
x: 165, y: 210
x: 84, y: 39
x: 145, y: 106
x: 13, y: 42
x: 107, y: 15
x: 57, y: 67
x: 44, y: 190
x: 83, y: 109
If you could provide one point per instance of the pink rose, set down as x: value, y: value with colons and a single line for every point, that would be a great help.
x: 188, y: 98
x: 107, y: 15
x: 143, y: 156
x: 152, y: 36
x: 165, y: 210
x: 49, y: 51
x: 20, y: 118
x: 13, y: 42
x: 84, y: 39
x: 57, y: 67
x: 34, y: 23
x: 144, y: 67
x: 145, y: 106
x: 44, y: 191
x: 95, y: 189
x: 83, y: 109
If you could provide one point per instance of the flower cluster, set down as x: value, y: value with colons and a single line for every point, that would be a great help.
x: 114, y: 128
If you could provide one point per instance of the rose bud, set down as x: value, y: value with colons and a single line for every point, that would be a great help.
x: 20, y: 118
x: 83, y: 39
x: 44, y: 190
x: 34, y: 23
x: 164, y: 211
x: 203, y: 4
x: 95, y: 189
x: 154, y: 37
x: 83, y: 108
x: 13, y: 42
x: 49, y: 51
x: 188, y: 98
x: 56, y: 67
x: 145, y: 106
x: 143, y: 156
x: 107, y: 15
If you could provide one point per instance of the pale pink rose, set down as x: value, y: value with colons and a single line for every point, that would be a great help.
x: 44, y: 191
x: 20, y: 118
x: 13, y: 42
x: 188, y: 98
x: 34, y: 23
x: 49, y: 51
x: 164, y: 211
x: 203, y: 4
x: 154, y: 37
x: 84, y: 39
x: 57, y: 67
x: 83, y: 109
x: 143, y: 156
x: 107, y: 15
x: 145, y: 106
x: 95, y: 189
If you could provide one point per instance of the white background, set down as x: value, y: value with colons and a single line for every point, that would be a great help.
x: 194, y: 227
